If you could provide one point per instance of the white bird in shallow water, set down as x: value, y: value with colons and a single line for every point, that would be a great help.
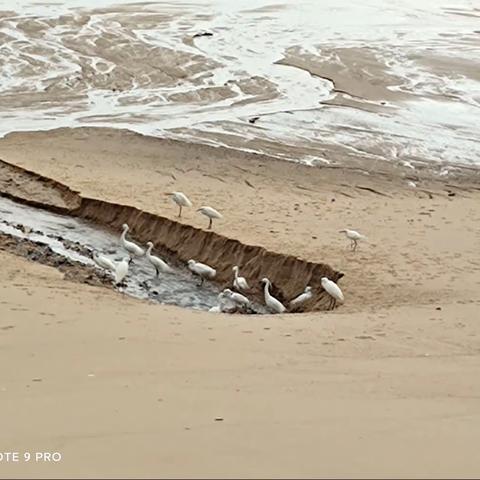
x: 181, y: 200
x: 103, y: 262
x: 333, y: 290
x: 202, y: 270
x: 210, y: 213
x: 240, y: 283
x: 158, y: 263
x: 353, y: 236
x: 225, y: 304
x: 272, y: 303
x: 121, y: 269
x: 130, y: 247
x: 303, y: 297
x: 238, y: 298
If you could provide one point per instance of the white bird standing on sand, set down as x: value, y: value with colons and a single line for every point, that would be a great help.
x: 353, y: 236
x: 333, y: 290
x: 158, y: 263
x: 210, y: 213
x: 202, y: 270
x: 238, y: 298
x: 103, y: 262
x: 272, y: 303
x: 121, y: 269
x: 303, y: 297
x: 130, y: 247
x: 240, y: 283
x: 181, y: 200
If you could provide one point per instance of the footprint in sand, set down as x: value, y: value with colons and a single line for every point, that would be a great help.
x: 365, y: 337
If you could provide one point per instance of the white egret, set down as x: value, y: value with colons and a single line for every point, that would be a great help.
x: 158, y: 263
x: 238, y: 298
x: 202, y: 270
x: 210, y: 213
x: 240, y: 283
x: 333, y: 290
x: 353, y: 236
x: 103, y: 262
x: 303, y: 297
x: 272, y: 303
x: 121, y: 269
x: 225, y: 304
x: 130, y: 247
x: 181, y: 200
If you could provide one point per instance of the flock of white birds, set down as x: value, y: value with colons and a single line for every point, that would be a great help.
x: 229, y: 301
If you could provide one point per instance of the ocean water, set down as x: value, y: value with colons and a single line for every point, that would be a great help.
x: 138, y: 65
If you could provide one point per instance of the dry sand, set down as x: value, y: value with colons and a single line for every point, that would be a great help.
x: 385, y: 386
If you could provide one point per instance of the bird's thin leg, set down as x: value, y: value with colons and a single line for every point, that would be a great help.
x: 354, y: 245
x: 210, y: 224
x: 180, y: 211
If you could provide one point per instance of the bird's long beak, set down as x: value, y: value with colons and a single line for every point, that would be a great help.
x: 168, y: 193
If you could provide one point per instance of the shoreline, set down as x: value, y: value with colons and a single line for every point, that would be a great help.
x: 428, y: 170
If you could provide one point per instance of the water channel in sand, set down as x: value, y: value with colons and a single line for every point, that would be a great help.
x: 75, y: 239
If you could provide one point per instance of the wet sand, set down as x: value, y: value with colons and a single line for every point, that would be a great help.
x: 356, y: 80
x: 384, y: 386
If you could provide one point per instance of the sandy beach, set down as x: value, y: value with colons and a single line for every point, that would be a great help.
x: 386, y: 385
x: 295, y: 120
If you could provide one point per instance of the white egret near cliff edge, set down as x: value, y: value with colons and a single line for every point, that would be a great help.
x: 272, y: 303
x: 302, y: 298
x: 225, y: 304
x: 130, y: 247
x: 159, y: 264
x: 333, y: 290
x: 181, y: 200
x: 353, y: 236
x: 103, y: 262
x: 240, y: 283
x: 238, y: 298
x: 121, y: 269
x: 210, y: 213
x: 202, y: 270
